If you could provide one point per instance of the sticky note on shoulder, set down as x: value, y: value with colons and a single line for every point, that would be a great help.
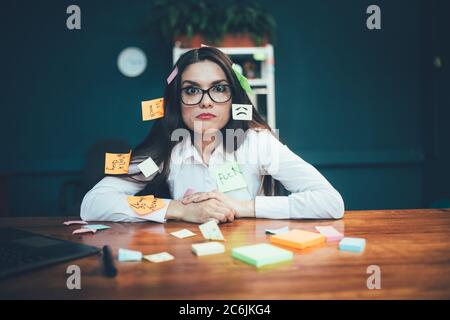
x: 260, y: 255
x: 352, y: 244
x: 208, y: 248
x: 211, y: 231
x: 159, y: 257
x: 129, y: 255
x: 242, y: 111
x: 330, y: 233
x: 152, y: 109
x: 117, y: 163
x: 229, y: 177
x: 143, y: 205
x: 184, y: 233
x: 298, y: 239
x: 148, y: 167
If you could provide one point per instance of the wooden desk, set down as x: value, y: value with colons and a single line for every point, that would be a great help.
x: 412, y: 248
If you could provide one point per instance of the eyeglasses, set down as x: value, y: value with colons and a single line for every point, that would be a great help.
x: 218, y: 93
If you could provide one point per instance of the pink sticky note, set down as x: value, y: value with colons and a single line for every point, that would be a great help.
x: 68, y: 223
x: 83, y: 230
x: 188, y: 192
x: 203, y: 45
x: 172, y: 75
x: 330, y: 233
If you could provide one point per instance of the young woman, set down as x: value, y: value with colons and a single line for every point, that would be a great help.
x: 198, y: 101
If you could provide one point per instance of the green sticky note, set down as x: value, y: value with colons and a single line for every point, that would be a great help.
x: 229, y: 177
x: 262, y: 254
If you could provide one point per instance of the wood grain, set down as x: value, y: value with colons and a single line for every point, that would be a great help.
x: 411, y: 247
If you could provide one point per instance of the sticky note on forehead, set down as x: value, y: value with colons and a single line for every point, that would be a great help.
x: 152, y: 109
x: 230, y: 177
x: 117, y: 163
x: 242, y: 111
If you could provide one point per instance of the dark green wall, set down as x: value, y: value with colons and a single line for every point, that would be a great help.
x: 349, y: 100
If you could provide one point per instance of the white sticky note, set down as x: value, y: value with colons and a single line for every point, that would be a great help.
x: 210, y: 230
x: 129, y: 255
x: 242, y: 111
x: 203, y: 249
x: 183, y: 233
x: 278, y: 231
x: 159, y: 257
x: 69, y: 223
x: 96, y: 227
x: 148, y: 167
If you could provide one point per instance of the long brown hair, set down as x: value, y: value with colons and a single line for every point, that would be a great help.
x: 158, y: 144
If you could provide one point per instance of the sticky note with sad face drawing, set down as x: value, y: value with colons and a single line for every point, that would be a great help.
x: 242, y: 111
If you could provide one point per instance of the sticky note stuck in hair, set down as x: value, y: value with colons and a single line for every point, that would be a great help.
x: 148, y: 167
x: 242, y: 112
x: 117, y: 163
x: 172, y: 75
x: 143, y: 205
x: 152, y: 109
x: 229, y: 177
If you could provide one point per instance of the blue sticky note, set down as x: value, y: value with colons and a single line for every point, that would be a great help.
x: 352, y: 244
x: 96, y: 227
x: 129, y: 255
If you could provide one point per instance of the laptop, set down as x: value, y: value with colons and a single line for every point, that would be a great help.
x: 21, y: 251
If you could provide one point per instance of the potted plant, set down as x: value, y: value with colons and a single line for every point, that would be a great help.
x: 191, y: 23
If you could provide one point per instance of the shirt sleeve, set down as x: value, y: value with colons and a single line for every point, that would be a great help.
x: 108, y: 201
x: 312, y: 196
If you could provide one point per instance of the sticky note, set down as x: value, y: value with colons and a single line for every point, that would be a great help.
x: 184, y: 233
x: 298, y: 239
x: 148, y: 167
x: 352, y: 244
x: 211, y: 231
x: 230, y: 177
x: 159, y: 257
x: 172, y: 75
x: 260, y: 255
x: 69, y: 223
x: 208, y: 248
x: 259, y: 56
x: 96, y: 227
x: 143, y: 205
x: 277, y: 231
x: 152, y: 109
x: 117, y: 163
x: 129, y: 255
x: 330, y: 233
x: 242, y: 111
x: 79, y: 231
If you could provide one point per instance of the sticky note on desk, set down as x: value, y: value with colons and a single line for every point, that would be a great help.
x: 278, y: 231
x: 159, y: 257
x: 183, y: 233
x: 117, y: 163
x: 148, y: 167
x: 230, y: 177
x: 69, y: 223
x: 208, y: 248
x: 210, y: 230
x: 96, y: 227
x: 330, y: 233
x: 152, y: 109
x: 129, y: 255
x: 80, y: 231
x: 352, y: 244
x: 260, y: 255
x: 143, y: 205
x: 298, y: 239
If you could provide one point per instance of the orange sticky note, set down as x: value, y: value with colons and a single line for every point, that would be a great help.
x: 152, y: 109
x: 117, y: 163
x: 298, y: 239
x: 143, y: 205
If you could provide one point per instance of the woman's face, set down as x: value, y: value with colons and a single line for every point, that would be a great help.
x: 205, y: 115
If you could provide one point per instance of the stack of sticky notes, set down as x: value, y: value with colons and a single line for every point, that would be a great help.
x: 298, y: 239
x: 204, y: 249
x: 352, y: 244
x: 262, y: 254
x: 330, y: 233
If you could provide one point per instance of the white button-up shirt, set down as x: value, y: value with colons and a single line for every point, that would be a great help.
x: 261, y: 153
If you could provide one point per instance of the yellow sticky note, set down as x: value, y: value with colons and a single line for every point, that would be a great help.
x: 152, y: 109
x: 298, y: 239
x: 210, y: 230
x: 230, y: 177
x: 143, y: 205
x: 117, y: 163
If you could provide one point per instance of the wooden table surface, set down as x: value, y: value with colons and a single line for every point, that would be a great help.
x: 411, y: 247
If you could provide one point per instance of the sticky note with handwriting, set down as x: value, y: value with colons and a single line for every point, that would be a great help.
x: 152, y: 109
x: 143, y: 205
x: 117, y: 163
x: 229, y: 177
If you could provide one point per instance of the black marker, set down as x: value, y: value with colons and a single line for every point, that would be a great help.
x: 108, y: 262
